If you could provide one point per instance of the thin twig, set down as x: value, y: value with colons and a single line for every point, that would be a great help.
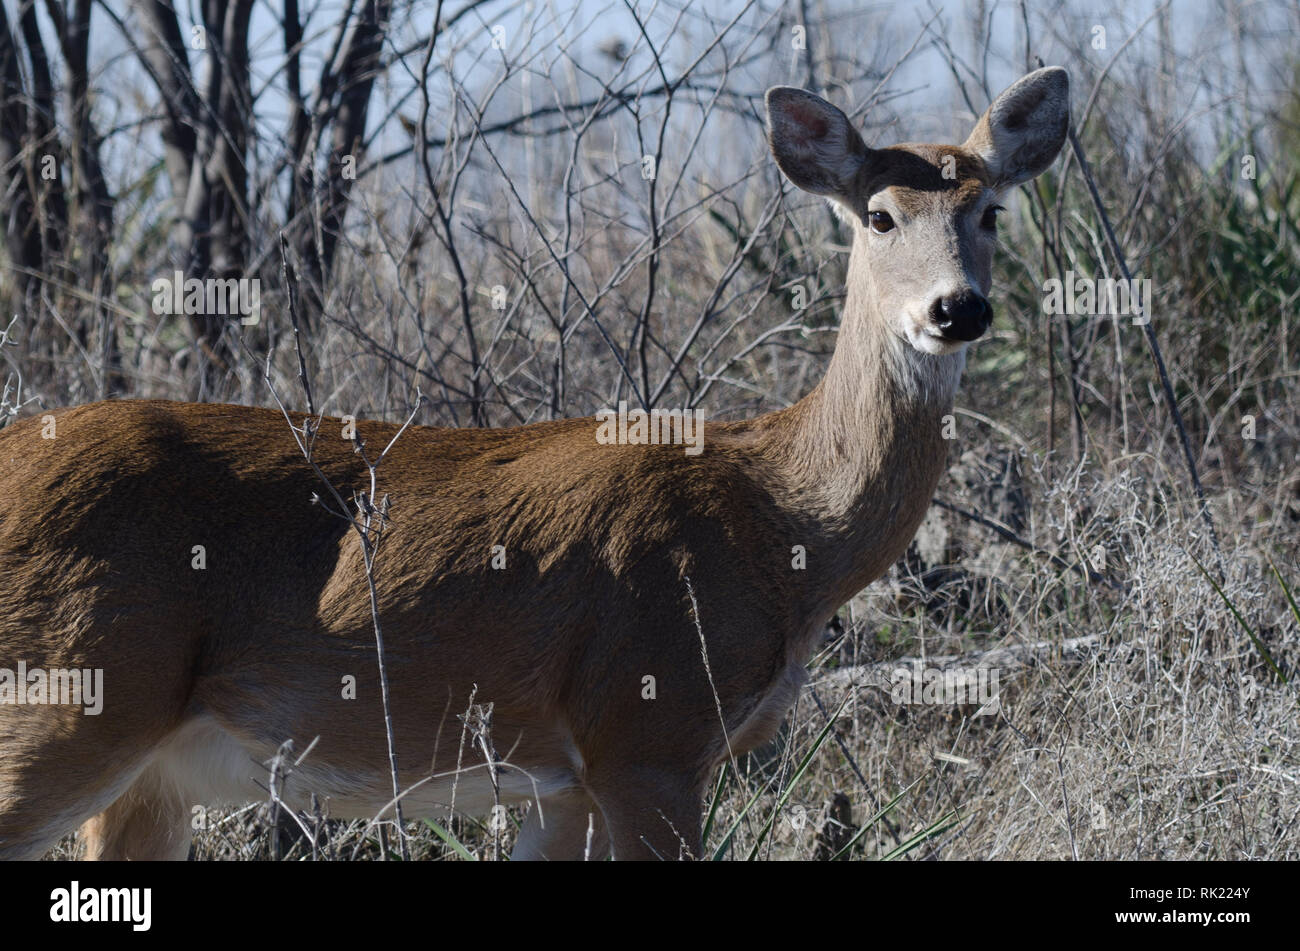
x: 291, y: 292
x: 1012, y: 537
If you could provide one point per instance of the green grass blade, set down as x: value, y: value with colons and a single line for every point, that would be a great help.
x: 1286, y: 589
x: 1259, y: 645
x: 870, y: 823
x: 451, y: 840
x: 939, y: 826
x: 725, y: 845
x: 794, y: 780
x: 717, y: 800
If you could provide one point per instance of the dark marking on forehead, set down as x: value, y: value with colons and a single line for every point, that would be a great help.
x: 913, y: 171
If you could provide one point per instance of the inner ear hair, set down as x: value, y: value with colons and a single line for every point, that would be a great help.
x: 813, y: 141
x: 1023, y: 130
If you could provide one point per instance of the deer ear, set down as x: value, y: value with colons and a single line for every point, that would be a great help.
x: 813, y: 142
x: 1019, y: 136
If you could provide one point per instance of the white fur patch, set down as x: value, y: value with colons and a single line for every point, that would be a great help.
x: 209, y: 765
x: 931, y: 375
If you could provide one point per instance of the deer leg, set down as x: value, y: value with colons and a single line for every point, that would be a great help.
x: 652, y: 814
x: 557, y: 830
x: 148, y: 822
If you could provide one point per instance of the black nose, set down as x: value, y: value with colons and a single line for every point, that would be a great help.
x: 962, y: 316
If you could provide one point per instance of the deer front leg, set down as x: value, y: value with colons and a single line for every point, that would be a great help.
x: 557, y: 830
x: 652, y: 814
x: 148, y: 822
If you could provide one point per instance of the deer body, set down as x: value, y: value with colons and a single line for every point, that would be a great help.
x: 618, y: 561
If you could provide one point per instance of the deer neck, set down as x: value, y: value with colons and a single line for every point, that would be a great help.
x: 859, y: 457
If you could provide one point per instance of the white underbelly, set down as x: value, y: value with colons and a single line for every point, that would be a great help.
x: 211, y: 767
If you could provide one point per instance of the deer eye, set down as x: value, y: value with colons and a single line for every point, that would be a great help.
x: 990, y: 220
x: 880, y: 221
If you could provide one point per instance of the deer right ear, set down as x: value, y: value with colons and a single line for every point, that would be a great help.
x: 813, y: 142
x: 1019, y: 136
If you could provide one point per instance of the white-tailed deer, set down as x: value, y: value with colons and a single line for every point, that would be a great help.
x: 212, y: 656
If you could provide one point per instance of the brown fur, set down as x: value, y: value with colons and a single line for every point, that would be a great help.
x: 915, y: 172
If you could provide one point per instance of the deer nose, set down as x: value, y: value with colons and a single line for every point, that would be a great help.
x: 962, y: 316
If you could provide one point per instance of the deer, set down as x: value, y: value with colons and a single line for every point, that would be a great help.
x: 632, y: 614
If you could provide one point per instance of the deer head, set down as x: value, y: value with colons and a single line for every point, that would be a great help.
x: 924, y: 216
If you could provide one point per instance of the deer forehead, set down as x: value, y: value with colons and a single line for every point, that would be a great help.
x: 928, y: 179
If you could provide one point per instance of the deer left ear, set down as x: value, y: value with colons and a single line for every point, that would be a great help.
x: 1024, y: 129
x: 814, y: 143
